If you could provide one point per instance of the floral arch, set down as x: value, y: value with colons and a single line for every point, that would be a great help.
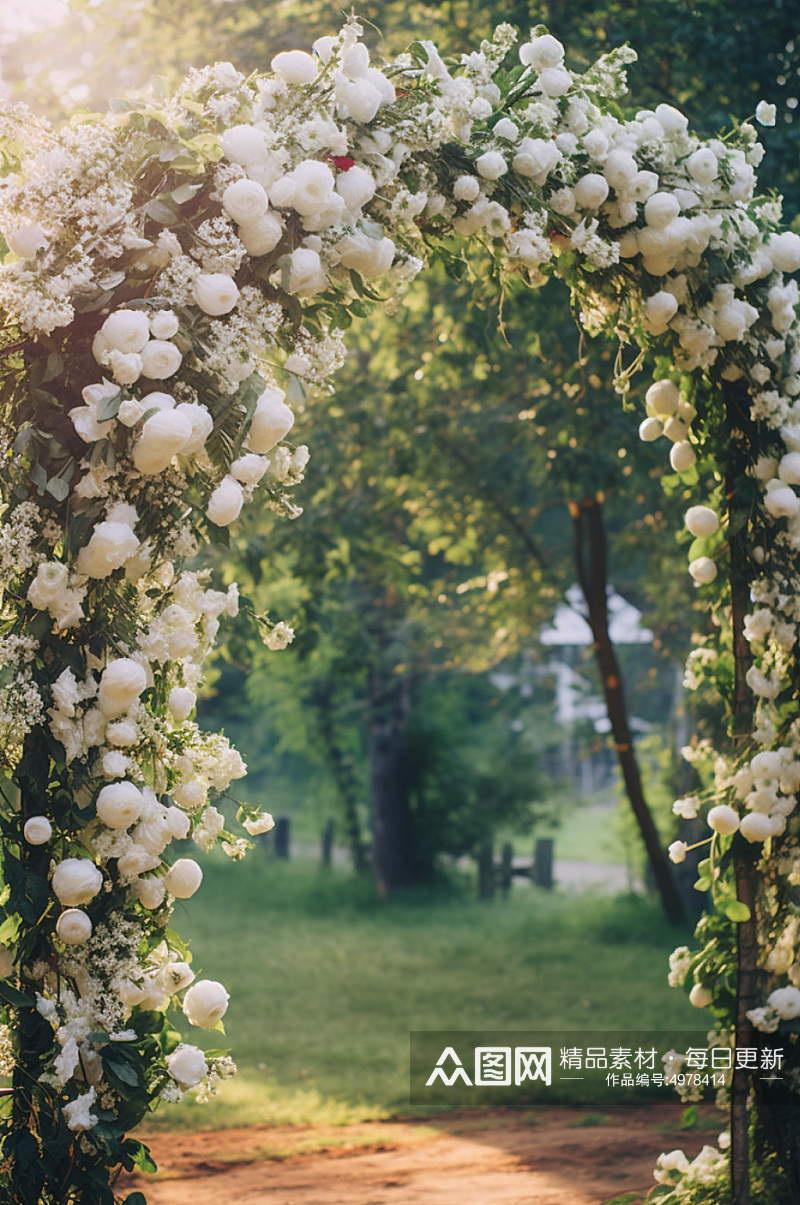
x: 178, y: 276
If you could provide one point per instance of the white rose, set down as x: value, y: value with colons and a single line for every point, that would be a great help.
x: 76, y: 881
x: 491, y: 165
x: 723, y: 819
x: 661, y: 209
x: 187, y: 1065
x: 51, y: 580
x: 651, y: 429
x: 164, y: 324
x: 682, y: 456
x: 700, y: 996
x: 77, y: 1112
x: 202, y: 425
x: 786, y: 1002
x: 226, y: 76
x: 356, y: 187
x: 184, y: 878
x: 780, y: 500
x: 84, y: 420
x: 176, y: 976
x: 368, y: 256
x: 153, y: 833
x: 658, y: 312
x: 789, y: 468
x: 272, y: 421
x: 150, y: 893
x: 590, y: 191
x: 360, y: 99
x: 190, y: 795
x: 259, y: 824
x: 120, y: 804
x: 542, y: 52
x: 765, y: 113
x: 466, y: 188
x: 120, y: 686
x: 311, y: 186
x: 73, y: 927
x: 181, y: 702
x: 671, y: 120
x: 701, y: 520
x: 205, y: 1003
x: 703, y: 570
x: 677, y: 851
x: 225, y: 503
x: 306, y: 273
x: 137, y: 861
x: 38, y: 830
x: 163, y: 436
x: 784, y: 251
x: 295, y: 66
x: 262, y: 234
x: 108, y: 549
x: 178, y: 823
x: 249, y: 469
x: 663, y: 397
x: 703, y: 165
x: 122, y: 733
x: 160, y: 360
x: 244, y: 145
x: 756, y: 827
x: 25, y: 241
x: 126, y: 368
x: 536, y: 158
x: 126, y: 331
x: 115, y: 764
x: 244, y: 200
x: 620, y: 169
x: 215, y: 293
x: 555, y: 81
x: 130, y: 411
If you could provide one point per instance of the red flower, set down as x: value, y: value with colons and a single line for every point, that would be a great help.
x: 343, y: 163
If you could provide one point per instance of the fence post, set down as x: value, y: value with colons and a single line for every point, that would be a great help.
x: 543, y: 863
x: 486, y: 870
x: 327, y: 842
x: 282, y: 837
x: 506, y: 867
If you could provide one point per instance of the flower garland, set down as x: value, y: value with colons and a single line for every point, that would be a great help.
x: 179, y: 276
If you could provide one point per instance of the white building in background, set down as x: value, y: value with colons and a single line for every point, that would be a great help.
x: 576, y: 697
x: 577, y: 701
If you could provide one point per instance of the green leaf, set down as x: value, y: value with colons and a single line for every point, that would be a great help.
x: 13, y: 996
x: 735, y: 910
x: 185, y: 192
x: 164, y: 212
x: 58, y: 487
x: 689, y: 1118
x: 135, y: 1198
x: 109, y: 407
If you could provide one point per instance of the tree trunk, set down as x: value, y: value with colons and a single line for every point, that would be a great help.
x: 342, y: 770
x: 590, y: 538
x: 737, y: 404
x: 392, y: 821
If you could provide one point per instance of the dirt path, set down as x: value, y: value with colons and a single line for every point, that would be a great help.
x: 557, y: 1157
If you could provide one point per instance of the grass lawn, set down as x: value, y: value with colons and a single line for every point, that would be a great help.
x: 327, y: 981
